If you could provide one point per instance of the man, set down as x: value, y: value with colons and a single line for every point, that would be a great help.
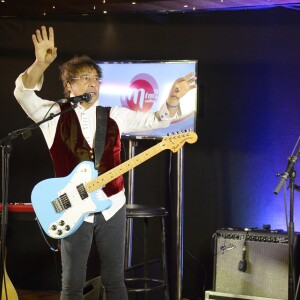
x: 71, y: 139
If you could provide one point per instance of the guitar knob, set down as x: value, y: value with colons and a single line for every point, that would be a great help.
x: 67, y: 227
x: 53, y: 227
x: 61, y: 223
x: 59, y: 232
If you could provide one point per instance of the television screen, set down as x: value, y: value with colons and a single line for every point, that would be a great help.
x: 144, y: 86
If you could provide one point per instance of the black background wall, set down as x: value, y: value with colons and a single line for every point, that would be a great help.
x: 249, y: 69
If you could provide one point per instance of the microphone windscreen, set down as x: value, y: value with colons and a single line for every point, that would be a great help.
x: 87, y: 97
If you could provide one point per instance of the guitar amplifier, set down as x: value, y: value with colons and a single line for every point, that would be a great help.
x: 253, y: 263
x: 211, y: 295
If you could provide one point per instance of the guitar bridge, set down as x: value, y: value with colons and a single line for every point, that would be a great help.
x: 57, y: 205
x: 61, y: 203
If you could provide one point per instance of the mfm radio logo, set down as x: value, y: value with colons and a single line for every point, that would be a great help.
x: 143, y: 93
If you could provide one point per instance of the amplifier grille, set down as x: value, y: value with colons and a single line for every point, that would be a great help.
x: 266, y: 256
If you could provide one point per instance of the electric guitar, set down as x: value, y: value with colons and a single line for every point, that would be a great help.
x: 8, y: 290
x: 61, y: 204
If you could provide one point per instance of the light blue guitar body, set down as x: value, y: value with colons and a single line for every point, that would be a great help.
x: 61, y: 204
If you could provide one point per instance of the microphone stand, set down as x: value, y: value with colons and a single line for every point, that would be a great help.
x: 291, y: 174
x: 6, y: 144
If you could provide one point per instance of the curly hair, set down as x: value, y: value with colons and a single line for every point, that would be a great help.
x: 77, y: 64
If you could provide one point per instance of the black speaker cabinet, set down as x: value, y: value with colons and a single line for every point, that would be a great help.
x: 254, y: 263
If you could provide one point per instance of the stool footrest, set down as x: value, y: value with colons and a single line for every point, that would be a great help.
x: 160, y: 284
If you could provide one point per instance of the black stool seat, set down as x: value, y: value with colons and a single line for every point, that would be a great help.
x: 147, y: 284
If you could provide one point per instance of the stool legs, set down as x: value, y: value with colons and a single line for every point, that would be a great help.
x: 148, y: 283
x: 146, y: 254
x: 164, y: 258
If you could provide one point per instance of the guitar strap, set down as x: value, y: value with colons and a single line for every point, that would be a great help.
x: 101, y: 127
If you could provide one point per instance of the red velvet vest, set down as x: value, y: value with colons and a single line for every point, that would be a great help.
x: 70, y: 148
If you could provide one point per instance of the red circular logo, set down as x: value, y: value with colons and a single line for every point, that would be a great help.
x: 143, y: 93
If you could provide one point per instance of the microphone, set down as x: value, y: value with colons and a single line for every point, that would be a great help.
x: 86, y: 97
x: 243, y: 262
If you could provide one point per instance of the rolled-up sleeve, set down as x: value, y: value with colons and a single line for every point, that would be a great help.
x: 37, y: 108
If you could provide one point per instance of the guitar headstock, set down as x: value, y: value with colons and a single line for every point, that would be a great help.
x: 175, y: 141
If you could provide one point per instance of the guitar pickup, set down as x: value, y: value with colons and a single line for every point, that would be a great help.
x: 82, y: 192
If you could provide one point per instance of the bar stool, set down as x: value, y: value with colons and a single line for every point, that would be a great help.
x: 135, y: 211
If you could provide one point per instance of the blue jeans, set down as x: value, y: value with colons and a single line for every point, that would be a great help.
x: 109, y: 237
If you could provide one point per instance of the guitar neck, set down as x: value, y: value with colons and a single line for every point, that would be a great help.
x: 114, y: 173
